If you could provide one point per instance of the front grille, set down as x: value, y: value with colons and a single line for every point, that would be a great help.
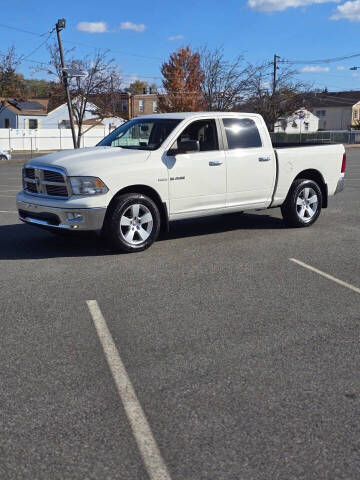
x: 31, y: 187
x: 53, y: 176
x: 43, y: 181
x: 57, y: 190
x: 29, y: 172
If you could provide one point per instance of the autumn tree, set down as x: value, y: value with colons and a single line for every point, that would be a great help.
x: 225, y: 83
x: 182, y: 79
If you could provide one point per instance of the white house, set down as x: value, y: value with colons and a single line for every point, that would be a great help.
x: 33, y: 114
x: 301, y: 121
x: 333, y: 110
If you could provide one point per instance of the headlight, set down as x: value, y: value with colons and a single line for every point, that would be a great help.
x: 87, y: 186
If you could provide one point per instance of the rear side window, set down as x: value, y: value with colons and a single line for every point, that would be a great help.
x: 241, y: 133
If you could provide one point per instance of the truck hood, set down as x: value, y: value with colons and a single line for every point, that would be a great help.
x: 91, y: 161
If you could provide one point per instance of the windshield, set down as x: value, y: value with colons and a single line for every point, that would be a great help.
x: 141, y: 134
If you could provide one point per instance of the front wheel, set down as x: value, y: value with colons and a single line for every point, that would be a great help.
x: 302, y: 206
x: 133, y: 224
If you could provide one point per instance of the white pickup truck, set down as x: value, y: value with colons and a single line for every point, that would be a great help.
x: 159, y: 168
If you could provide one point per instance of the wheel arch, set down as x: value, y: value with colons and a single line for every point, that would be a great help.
x: 316, y: 176
x: 149, y: 192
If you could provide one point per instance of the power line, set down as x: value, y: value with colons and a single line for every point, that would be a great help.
x: 112, y: 50
x: 323, y: 60
x: 37, y: 48
x: 80, y: 44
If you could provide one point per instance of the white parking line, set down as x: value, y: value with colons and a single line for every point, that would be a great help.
x: 8, y: 196
x: 326, y: 275
x: 148, y: 448
x: 2, y: 191
x: 7, y: 211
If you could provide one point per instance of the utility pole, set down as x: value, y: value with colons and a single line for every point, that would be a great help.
x: 276, y: 58
x: 60, y: 26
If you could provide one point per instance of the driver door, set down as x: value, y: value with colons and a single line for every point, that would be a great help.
x: 197, y: 180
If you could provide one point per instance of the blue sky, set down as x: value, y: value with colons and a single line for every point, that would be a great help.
x: 294, y: 29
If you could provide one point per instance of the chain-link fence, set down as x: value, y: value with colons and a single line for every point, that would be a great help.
x: 330, y: 136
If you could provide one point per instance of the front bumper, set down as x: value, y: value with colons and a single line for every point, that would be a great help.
x: 340, y: 185
x: 83, y: 219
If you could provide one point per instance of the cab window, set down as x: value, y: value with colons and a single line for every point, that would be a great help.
x: 241, y: 133
x: 204, y: 131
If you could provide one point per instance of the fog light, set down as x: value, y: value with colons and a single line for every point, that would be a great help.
x: 74, y: 217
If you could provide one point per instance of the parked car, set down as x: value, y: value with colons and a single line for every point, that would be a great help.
x: 159, y: 168
x: 4, y: 155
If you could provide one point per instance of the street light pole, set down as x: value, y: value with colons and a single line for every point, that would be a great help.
x: 60, y: 26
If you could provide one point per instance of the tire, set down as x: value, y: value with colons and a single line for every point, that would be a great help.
x: 126, y: 228
x: 303, y: 203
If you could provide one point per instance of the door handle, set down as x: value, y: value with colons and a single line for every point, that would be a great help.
x: 214, y: 163
x: 264, y: 159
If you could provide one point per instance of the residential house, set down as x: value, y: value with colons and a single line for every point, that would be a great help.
x: 335, y: 110
x: 301, y: 121
x: 29, y: 114
x: 34, y: 114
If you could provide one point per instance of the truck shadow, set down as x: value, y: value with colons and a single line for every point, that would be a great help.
x: 23, y: 242
x: 221, y: 223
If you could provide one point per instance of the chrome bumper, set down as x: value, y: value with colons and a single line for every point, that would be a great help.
x: 60, y: 218
x: 340, y: 185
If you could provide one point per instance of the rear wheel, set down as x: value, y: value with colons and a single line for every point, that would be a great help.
x: 302, y: 206
x: 133, y: 224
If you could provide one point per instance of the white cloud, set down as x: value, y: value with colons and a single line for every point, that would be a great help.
x: 349, y: 11
x: 314, y: 69
x: 279, y: 5
x: 137, y: 27
x: 175, y: 37
x: 340, y: 68
x: 92, y: 27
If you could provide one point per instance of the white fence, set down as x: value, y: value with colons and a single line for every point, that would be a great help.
x: 47, y: 139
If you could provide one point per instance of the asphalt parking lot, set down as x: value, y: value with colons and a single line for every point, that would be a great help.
x: 241, y: 363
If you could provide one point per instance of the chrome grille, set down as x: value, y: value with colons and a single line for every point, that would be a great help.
x: 57, y: 190
x: 45, y: 181
x: 53, y: 176
x: 29, y: 172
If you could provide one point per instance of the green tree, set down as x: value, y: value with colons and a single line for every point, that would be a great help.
x: 137, y: 87
x: 11, y: 83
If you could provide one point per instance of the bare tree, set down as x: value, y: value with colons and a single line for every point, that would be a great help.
x: 225, y: 83
x: 275, y: 102
x: 96, y: 93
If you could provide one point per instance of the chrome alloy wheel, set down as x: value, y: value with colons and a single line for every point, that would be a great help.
x: 306, y: 204
x: 136, y: 224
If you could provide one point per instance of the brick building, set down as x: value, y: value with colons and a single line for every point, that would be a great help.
x: 133, y: 105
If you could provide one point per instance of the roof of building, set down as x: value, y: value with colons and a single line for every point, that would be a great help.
x: 334, y: 99
x: 31, y: 106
